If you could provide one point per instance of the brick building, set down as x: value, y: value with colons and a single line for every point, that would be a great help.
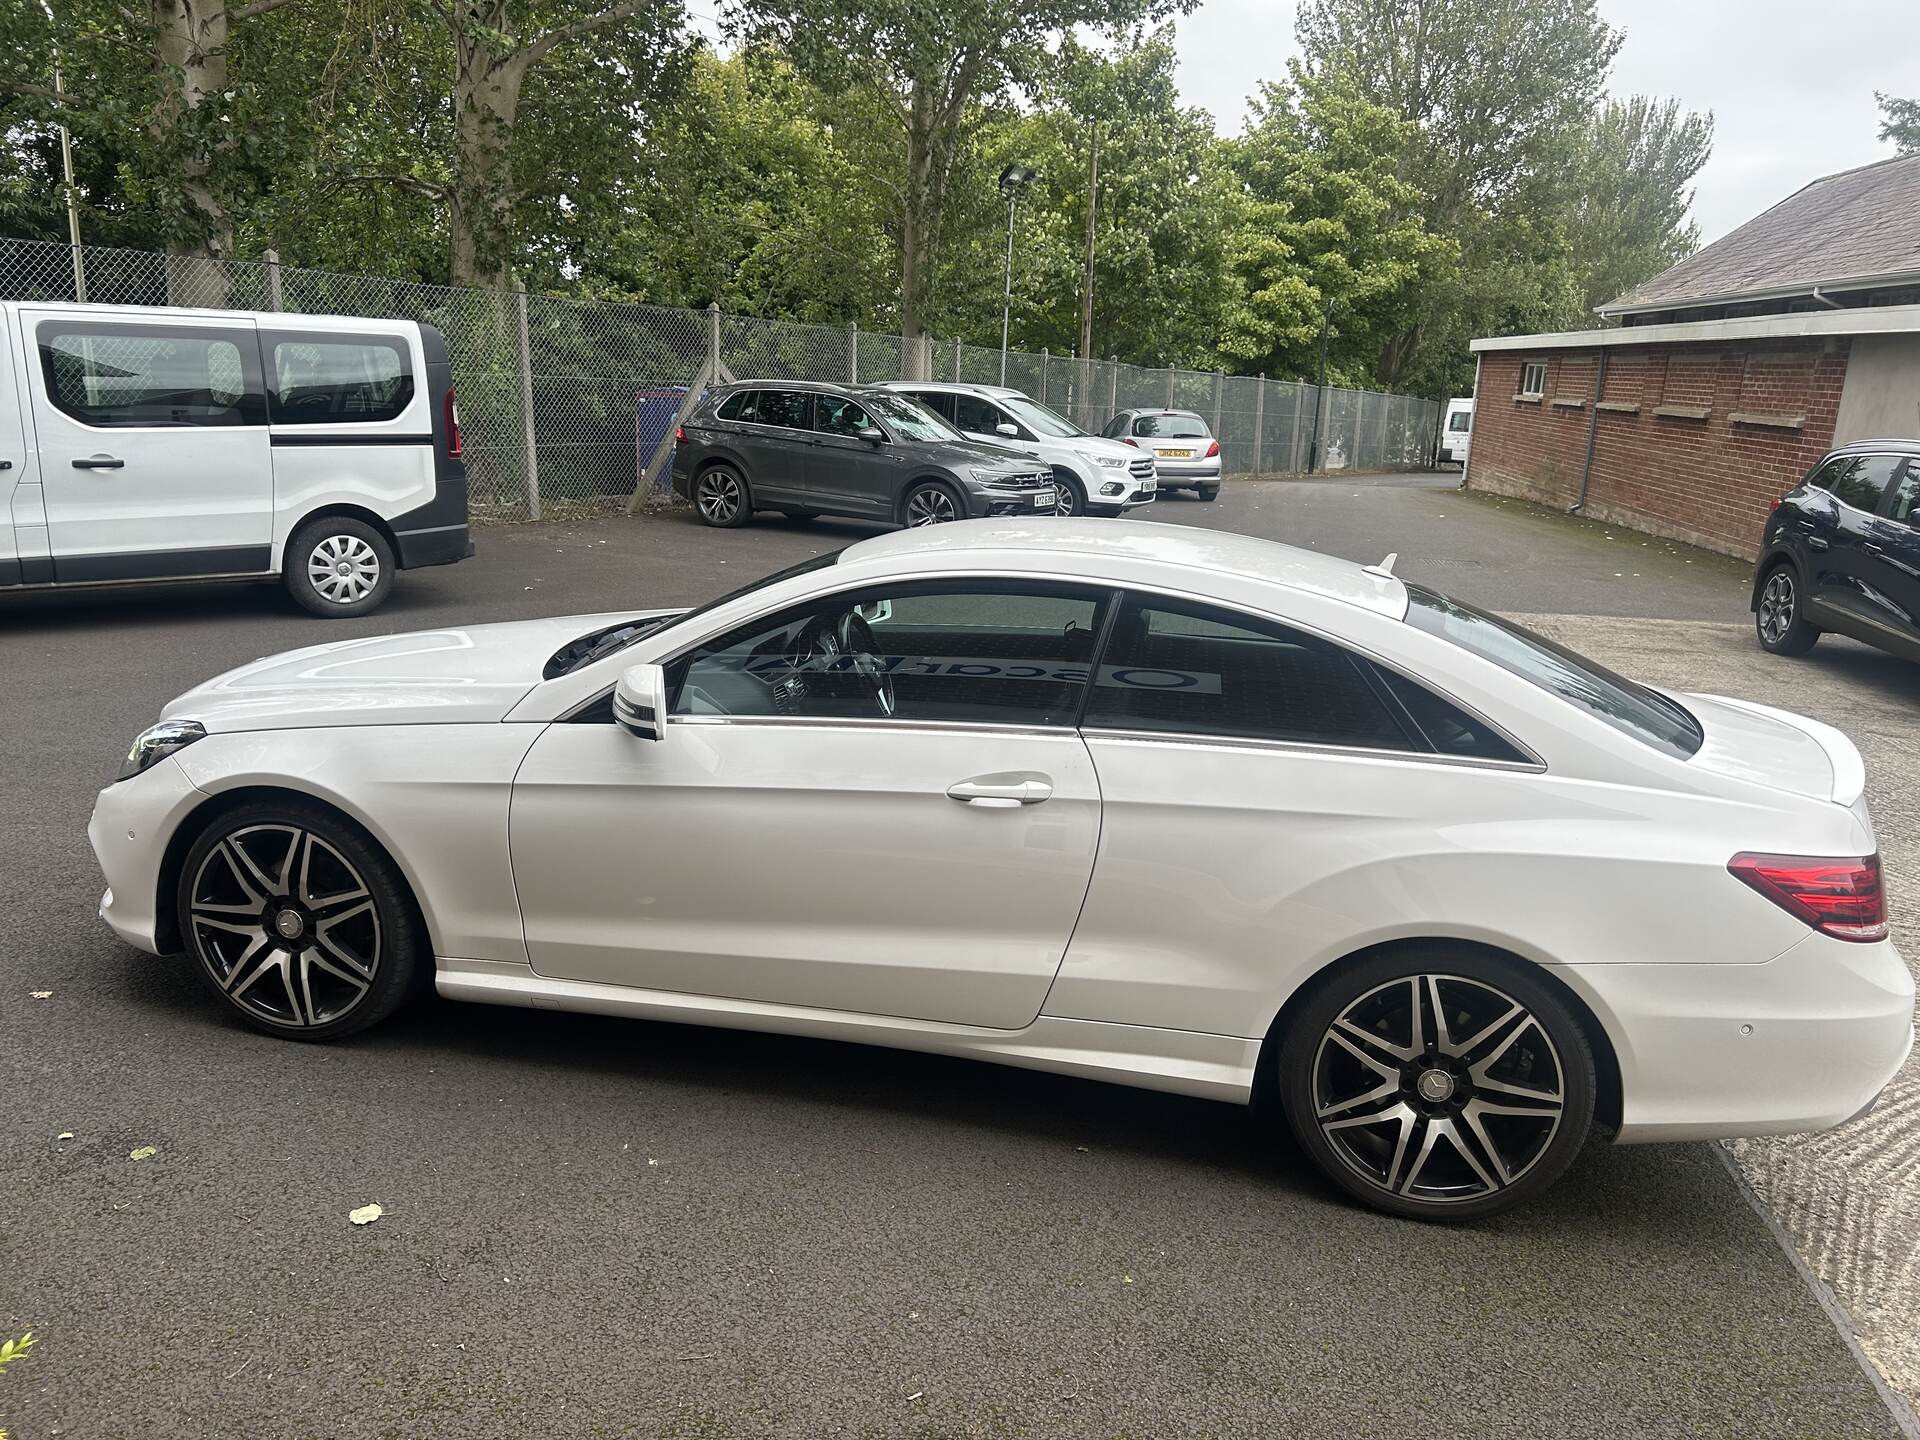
x: 1726, y: 377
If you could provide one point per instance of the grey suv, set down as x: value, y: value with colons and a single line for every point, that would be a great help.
x: 810, y: 449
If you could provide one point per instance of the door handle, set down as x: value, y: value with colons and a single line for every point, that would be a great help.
x: 1814, y: 542
x: 1871, y: 548
x: 98, y: 462
x: 1000, y: 795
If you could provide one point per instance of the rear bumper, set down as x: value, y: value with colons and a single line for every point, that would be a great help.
x: 1803, y: 1042
x: 1171, y: 473
x: 440, y: 545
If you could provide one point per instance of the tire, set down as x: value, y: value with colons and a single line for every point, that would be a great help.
x: 1073, y: 498
x: 337, y: 567
x: 1778, y: 618
x: 1207, y: 492
x: 298, y: 922
x: 721, y: 496
x: 930, y: 503
x: 801, y: 517
x: 1447, y: 1144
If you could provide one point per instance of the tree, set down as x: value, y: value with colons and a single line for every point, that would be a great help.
x: 1634, y: 165
x: 1899, y: 122
x: 1332, y: 223
x: 929, y: 62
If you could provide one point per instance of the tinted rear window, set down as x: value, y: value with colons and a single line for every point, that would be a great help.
x: 1171, y: 427
x: 1629, y: 708
x: 325, y: 379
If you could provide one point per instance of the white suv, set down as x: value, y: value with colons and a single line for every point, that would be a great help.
x: 143, y: 443
x: 1096, y: 476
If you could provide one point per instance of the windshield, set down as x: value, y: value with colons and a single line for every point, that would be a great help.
x: 1460, y: 421
x: 1039, y: 418
x: 598, y: 644
x: 909, y: 419
x: 1171, y: 427
x: 1629, y: 708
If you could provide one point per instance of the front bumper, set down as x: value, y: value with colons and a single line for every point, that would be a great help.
x: 1803, y: 1042
x: 1119, y: 490
x: 131, y: 823
x: 985, y: 500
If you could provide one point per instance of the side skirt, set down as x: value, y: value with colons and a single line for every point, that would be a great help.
x: 1185, y: 1062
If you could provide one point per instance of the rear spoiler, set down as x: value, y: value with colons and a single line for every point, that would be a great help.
x: 1849, y: 770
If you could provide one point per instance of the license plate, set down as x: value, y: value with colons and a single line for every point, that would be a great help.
x: 1177, y: 454
x: 1046, y: 500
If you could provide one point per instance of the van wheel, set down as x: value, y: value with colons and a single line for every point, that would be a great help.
x: 337, y: 566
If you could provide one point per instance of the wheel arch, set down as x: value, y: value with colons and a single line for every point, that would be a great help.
x: 166, y: 920
x: 1770, y: 561
x: 1606, y: 1060
x: 348, y: 511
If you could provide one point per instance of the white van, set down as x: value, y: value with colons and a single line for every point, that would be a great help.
x: 1456, y: 432
x: 143, y: 444
x: 1096, y: 476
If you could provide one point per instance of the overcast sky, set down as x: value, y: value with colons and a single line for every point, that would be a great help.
x: 1790, y: 82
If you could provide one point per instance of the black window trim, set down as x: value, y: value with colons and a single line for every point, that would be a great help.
x: 272, y: 335
x: 806, y: 429
x: 252, y: 405
x: 1879, y: 510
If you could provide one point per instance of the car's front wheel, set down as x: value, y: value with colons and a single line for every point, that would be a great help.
x: 1438, y: 1084
x: 931, y: 503
x: 1779, y: 619
x: 297, y: 921
x: 337, y: 566
x: 1073, y: 500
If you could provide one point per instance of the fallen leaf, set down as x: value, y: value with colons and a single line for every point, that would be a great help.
x: 145, y: 1152
x: 365, y: 1215
x: 41, y: 994
x: 64, y: 1135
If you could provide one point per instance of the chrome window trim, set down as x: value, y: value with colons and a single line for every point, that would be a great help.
x: 860, y: 722
x: 1308, y: 747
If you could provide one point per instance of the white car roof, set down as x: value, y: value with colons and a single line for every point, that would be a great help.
x: 1116, y: 547
x: 958, y: 387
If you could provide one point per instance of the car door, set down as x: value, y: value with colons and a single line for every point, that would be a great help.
x: 1891, y: 569
x: 13, y: 458
x: 776, y: 442
x: 154, y: 458
x: 796, y: 840
x: 1837, y: 534
x: 849, y: 473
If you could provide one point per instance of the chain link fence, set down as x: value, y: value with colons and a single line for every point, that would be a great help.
x: 552, y: 388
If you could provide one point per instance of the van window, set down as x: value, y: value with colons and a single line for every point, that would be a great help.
x: 327, y: 379
x: 125, y: 374
x: 1460, y: 422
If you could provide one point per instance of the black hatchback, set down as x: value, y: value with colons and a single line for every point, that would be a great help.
x: 820, y: 449
x: 1841, y: 552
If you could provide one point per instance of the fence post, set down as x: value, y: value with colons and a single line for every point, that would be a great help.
x: 956, y: 359
x: 853, y: 352
x: 1169, y: 387
x: 1219, y: 395
x: 1259, y: 418
x: 1113, y: 386
x: 528, y: 437
x: 1293, y: 440
x: 275, y: 300
x: 713, y: 340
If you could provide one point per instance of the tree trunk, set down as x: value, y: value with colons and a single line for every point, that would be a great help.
x: 918, y: 223
x: 486, y: 99
x: 190, y: 54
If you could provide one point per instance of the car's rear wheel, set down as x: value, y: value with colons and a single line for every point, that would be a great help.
x: 338, y: 567
x: 1778, y: 619
x: 931, y: 503
x: 297, y: 921
x: 1437, y: 1083
x: 720, y: 495
x: 1207, y: 492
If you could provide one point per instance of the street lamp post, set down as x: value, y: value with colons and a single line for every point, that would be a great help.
x: 1013, y: 180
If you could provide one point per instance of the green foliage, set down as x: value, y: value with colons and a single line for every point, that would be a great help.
x: 1633, y: 165
x: 1899, y: 122
x: 12, y: 1350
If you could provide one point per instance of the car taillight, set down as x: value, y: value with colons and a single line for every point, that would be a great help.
x: 1841, y: 897
x: 1129, y: 440
x: 1212, y: 450
x: 679, y: 434
x: 451, y: 407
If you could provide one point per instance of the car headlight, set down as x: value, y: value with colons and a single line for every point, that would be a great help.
x: 1113, y: 462
x: 157, y: 742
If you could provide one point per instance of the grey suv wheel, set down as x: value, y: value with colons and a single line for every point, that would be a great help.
x: 931, y: 503
x: 720, y: 494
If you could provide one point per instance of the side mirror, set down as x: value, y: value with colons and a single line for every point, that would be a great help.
x: 870, y: 434
x: 640, y: 702
x: 1008, y: 429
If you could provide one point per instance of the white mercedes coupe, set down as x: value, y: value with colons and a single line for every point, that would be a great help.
x: 1157, y: 805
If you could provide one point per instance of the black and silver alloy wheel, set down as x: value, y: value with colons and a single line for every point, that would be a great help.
x: 296, y: 922
x: 1439, y: 1093
x: 931, y: 505
x: 1778, y: 619
x: 721, y: 497
x: 1070, y: 502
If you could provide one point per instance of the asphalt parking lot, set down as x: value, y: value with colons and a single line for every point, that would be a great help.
x: 607, y: 1228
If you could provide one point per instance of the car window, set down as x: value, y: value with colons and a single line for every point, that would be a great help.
x: 1460, y: 422
x: 790, y: 409
x: 123, y: 374
x: 1858, y: 480
x: 1629, y: 708
x: 1905, y: 491
x: 908, y: 420
x: 954, y: 651
x: 940, y: 402
x: 974, y: 415
x: 1448, y: 728
x: 1192, y: 669
x: 317, y: 379
x: 837, y: 415
x: 737, y: 405
x: 1171, y: 427
x: 1116, y: 427
x: 1036, y: 416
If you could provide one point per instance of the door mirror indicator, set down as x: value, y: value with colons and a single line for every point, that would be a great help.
x: 640, y: 702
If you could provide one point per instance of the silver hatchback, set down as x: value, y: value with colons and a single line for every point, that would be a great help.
x: 1185, y: 454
